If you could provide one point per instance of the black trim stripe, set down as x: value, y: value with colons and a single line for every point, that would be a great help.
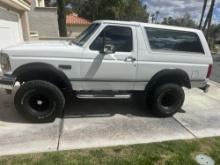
x: 106, y: 80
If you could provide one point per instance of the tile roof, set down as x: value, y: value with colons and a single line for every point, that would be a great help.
x: 74, y: 19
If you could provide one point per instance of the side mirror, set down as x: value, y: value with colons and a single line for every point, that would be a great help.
x: 109, y: 49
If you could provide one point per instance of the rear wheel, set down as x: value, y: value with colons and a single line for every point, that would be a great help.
x: 39, y: 101
x: 166, y: 100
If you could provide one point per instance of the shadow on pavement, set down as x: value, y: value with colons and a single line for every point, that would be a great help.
x: 8, y: 112
x: 82, y: 108
x: 88, y: 108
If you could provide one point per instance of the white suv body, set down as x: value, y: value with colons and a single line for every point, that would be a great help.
x: 115, y: 56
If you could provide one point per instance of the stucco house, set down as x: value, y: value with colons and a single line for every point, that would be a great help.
x: 23, y: 20
x: 43, y: 20
x: 75, y: 24
x: 14, y: 26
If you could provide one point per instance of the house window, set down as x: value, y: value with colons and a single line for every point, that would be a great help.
x: 50, y: 3
x: 40, y: 3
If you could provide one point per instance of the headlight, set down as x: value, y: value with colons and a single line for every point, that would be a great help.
x: 5, y: 63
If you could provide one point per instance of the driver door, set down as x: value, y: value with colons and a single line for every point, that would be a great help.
x: 114, y: 69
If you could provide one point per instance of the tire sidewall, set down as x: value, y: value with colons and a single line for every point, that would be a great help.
x: 49, y: 90
x: 159, y: 109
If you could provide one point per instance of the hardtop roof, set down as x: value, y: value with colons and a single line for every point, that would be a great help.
x: 159, y: 26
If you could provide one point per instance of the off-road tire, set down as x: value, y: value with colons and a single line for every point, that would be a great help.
x: 166, y: 100
x: 39, y: 101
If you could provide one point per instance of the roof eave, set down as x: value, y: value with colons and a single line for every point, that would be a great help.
x: 17, y: 4
x: 77, y: 24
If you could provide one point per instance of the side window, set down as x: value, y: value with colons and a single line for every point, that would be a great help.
x: 120, y: 37
x: 98, y: 43
x: 161, y: 39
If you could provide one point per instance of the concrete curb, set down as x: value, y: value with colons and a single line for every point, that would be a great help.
x: 214, y: 83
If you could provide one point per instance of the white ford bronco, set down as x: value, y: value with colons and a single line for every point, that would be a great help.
x: 109, y: 59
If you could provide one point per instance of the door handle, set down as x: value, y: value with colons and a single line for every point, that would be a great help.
x: 130, y: 59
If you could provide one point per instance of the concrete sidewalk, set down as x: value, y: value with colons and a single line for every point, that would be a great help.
x: 98, y: 123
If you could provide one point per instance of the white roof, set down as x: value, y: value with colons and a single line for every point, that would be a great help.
x: 148, y: 25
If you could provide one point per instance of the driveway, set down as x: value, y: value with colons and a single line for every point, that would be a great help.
x: 99, y: 123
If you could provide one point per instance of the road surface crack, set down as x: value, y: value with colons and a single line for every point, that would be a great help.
x: 188, y: 130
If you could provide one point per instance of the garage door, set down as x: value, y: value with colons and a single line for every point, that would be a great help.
x: 10, y: 28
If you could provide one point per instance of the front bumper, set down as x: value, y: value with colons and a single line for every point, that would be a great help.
x: 7, y: 82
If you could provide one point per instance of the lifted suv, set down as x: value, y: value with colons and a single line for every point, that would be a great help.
x: 109, y: 59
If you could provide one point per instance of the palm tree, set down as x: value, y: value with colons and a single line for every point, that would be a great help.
x: 203, y: 13
x: 209, y: 16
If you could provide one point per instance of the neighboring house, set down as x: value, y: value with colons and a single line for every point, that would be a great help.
x: 43, y: 20
x: 76, y: 24
x: 14, y: 26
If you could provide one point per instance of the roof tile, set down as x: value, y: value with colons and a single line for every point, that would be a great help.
x: 74, y: 19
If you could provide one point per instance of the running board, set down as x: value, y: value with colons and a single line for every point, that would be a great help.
x: 101, y: 96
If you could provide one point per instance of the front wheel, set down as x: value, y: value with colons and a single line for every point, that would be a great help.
x: 39, y: 101
x: 167, y: 99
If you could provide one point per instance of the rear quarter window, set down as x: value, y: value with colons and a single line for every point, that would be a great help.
x: 173, y: 40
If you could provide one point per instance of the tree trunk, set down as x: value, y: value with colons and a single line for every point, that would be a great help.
x: 203, y: 12
x: 209, y: 15
x: 61, y: 18
x: 210, y: 18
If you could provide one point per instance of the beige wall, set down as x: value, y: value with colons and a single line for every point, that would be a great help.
x: 75, y: 30
x: 43, y: 20
x: 25, y: 25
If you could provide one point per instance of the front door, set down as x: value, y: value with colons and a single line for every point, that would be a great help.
x: 113, y: 71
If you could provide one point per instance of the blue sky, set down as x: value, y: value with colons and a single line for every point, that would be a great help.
x: 177, y: 8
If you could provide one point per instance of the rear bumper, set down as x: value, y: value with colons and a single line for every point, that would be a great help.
x: 201, y: 84
x: 7, y: 82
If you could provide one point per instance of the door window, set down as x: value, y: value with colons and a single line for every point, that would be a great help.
x: 85, y: 35
x: 119, y: 37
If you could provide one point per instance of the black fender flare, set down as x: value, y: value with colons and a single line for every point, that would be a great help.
x: 168, y: 76
x: 45, y: 68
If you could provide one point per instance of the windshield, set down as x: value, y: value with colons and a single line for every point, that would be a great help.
x: 84, y: 36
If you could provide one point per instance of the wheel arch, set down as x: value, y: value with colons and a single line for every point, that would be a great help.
x: 43, y: 71
x: 177, y: 76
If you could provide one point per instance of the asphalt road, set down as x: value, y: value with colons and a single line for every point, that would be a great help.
x: 216, y: 69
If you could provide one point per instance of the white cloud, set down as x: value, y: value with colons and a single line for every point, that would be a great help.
x: 177, y: 8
